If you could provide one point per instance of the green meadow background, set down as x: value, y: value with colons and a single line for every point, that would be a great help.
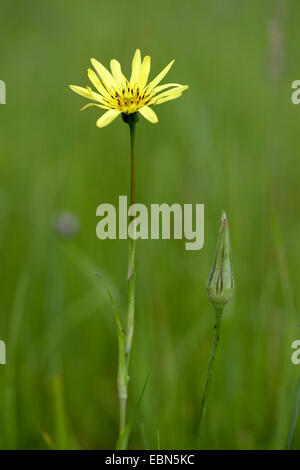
x: 231, y: 142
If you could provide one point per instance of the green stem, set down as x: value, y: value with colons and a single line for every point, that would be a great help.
x: 131, y: 267
x: 214, y: 346
x: 131, y: 289
x: 294, y: 420
x: 123, y: 402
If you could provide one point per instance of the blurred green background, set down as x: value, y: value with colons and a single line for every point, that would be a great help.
x: 231, y: 142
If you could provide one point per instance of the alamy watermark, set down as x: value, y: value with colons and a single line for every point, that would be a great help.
x: 136, y: 222
x: 295, y: 97
x: 296, y: 354
x: 2, y: 352
x: 2, y: 92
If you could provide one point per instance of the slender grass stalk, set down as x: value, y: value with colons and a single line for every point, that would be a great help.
x: 294, y: 419
x: 61, y: 427
x: 214, y: 345
x: 124, y: 352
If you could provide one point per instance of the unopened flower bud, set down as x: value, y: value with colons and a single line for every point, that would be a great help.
x: 220, y: 282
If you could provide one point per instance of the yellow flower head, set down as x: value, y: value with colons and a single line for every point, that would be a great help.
x: 118, y: 95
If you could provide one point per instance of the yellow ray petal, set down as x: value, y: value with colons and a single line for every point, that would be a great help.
x: 97, y: 83
x: 87, y: 93
x: 89, y: 105
x: 148, y: 114
x: 163, y: 87
x: 167, y: 98
x: 168, y: 93
x: 115, y: 67
x: 136, y: 65
x: 160, y: 76
x: 105, y: 75
x: 80, y: 91
x: 108, y: 117
x: 144, y: 72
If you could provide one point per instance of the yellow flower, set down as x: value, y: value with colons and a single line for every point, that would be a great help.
x: 118, y: 95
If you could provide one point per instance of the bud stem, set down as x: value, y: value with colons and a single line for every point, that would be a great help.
x: 215, y: 341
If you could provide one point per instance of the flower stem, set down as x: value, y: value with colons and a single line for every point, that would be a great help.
x: 131, y: 267
x: 123, y: 402
x: 131, y: 291
x: 294, y: 420
x: 214, y: 346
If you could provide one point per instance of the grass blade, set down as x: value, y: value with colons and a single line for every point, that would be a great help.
x: 294, y: 419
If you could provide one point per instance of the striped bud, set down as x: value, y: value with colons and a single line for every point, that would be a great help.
x: 220, y: 282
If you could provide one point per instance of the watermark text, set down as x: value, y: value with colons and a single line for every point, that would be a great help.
x: 2, y: 92
x: 2, y: 352
x: 296, y: 354
x: 161, y: 221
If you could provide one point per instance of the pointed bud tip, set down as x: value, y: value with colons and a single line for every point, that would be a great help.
x: 224, y: 220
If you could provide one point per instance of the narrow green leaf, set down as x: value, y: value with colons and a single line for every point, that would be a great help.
x: 294, y: 419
